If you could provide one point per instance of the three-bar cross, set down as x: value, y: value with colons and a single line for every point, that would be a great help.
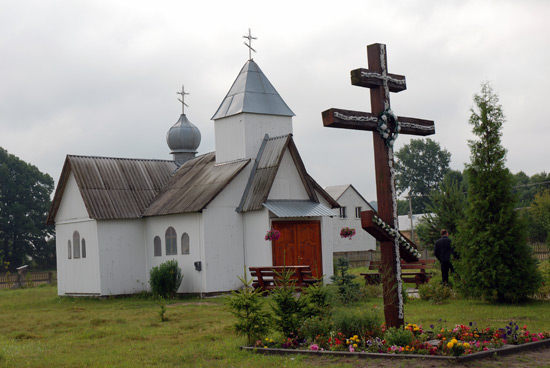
x: 383, y: 224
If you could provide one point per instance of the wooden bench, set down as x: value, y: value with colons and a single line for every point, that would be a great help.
x: 269, y: 277
x: 419, y: 277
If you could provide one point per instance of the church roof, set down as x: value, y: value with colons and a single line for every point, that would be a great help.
x: 252, y: 92
x: 194, y: 185
x: 113, y: 188
x: 336, y: 192
x: 265, y: 169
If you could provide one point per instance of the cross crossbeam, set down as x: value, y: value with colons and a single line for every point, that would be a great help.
x: 385, y: 130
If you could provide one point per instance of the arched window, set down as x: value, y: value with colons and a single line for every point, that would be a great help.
x: 185, y: 244
x: 157, y: 246
x: 83, y: 248
x: 76, y: 245
x: 171, y: 241
x: 70, y: 249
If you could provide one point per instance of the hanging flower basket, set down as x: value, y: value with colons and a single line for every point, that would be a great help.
x: 347, y: 232
x: 272, y: 234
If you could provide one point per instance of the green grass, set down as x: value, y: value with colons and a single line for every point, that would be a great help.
x: 40, y: 329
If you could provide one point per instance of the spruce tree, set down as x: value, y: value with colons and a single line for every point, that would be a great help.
x: 496, y: 262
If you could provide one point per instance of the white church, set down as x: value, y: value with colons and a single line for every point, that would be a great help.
x: 116, y: 218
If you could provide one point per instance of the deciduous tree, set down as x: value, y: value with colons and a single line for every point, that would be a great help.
x: 24, y: 203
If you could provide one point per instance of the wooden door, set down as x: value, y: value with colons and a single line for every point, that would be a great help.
x: 299, y: 244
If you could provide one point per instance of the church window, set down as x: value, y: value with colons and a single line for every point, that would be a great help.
x: 70, y: 250
x: 358, y: 212
x: 157, y: 246
x: 171, y: 241
x: 185, y: 244
x: 343, y: 213
x: 83, y: 248
x: 76, y: 245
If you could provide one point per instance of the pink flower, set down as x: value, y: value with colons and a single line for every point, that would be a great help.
x: 351, y: 349
x: 314, y: 347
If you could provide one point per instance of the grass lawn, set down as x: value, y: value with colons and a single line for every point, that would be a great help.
x: 40, y: 329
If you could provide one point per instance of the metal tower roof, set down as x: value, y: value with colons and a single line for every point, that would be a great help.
x: 252, y: 92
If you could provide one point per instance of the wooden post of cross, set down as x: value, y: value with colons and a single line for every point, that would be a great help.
x: 385, y: 127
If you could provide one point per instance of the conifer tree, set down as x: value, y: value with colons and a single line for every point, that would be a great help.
x: 496, y: 262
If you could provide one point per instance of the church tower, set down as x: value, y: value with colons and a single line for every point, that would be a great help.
x: 251, y: 109
x: 183, y: 138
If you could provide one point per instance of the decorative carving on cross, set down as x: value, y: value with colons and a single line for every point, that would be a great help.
x: 249, y: 44
x: 182, y: 99
x: 385, y: 127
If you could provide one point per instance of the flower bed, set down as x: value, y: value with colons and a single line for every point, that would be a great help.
x: 463, y: 342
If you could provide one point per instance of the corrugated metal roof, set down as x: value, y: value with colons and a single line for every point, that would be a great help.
x: 194, y: 185
x: 252, y: 92
x: 293, y: 208
x: 113, y: 188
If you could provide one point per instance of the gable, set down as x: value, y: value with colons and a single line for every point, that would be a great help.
x: 72, y: 205
x: 287, y: 183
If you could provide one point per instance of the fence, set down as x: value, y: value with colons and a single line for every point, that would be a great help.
x: 25, y: 279
x: 540, y: 251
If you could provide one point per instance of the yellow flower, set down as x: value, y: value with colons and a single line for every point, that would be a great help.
x: 266, y: 339
x: 265, y: 347
x: 416, y: 329
x: 354, y: 345
x: 466, y: 345
x: 450, y: 345
x: 454, y: 341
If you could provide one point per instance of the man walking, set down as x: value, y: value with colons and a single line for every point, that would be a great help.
x: 443, y: 252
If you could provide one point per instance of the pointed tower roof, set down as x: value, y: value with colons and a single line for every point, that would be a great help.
x: 252, y: 92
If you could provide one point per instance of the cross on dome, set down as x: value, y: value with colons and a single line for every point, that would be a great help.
x: 182, y: 99
x: 249, y: 44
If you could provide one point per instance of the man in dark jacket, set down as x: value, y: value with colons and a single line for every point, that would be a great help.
x: 443, y: 252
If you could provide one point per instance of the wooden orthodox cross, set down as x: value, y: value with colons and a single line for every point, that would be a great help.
x: 385, y: 126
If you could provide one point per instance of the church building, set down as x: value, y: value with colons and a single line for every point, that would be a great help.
x: 116, y: 218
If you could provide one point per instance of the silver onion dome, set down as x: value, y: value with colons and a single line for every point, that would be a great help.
x: 183, y: 138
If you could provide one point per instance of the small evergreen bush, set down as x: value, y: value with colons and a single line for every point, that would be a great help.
x: 247, y: 305
x: 348, y: 291
x: 165, y: 279
x: 288, y: 307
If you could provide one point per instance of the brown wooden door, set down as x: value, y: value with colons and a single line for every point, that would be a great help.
x: 299, y: 244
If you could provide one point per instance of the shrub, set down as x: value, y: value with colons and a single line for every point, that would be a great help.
x: 317, y: 299
x: 289, y: 309
x: 316, y: 326
x: 364, y: 323
x: 348, y: 291
x: 247, y: 305
x: 166, y: 279
x: 398, y: 337
x: 436, y: 292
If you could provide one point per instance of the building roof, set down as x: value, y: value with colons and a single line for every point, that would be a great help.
x: 252, y: 92
x: 265, y: 169
x: 298, y: 208
x: 113, y: 188
x: 194, y: 185
x: 336, y: 191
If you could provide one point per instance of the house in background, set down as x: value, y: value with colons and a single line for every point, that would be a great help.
x: 117, y: 218
x: 351, y: 204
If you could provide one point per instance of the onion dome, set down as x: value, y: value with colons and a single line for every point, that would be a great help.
x: 183, y: 138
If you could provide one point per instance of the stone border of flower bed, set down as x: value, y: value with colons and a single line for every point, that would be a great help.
x: 506, y: 350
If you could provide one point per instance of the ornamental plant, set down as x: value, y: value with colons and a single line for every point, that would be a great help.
x: 347, y: 232
x: 272, y: 234
x: 165, y: 279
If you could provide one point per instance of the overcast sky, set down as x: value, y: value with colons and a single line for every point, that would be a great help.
x: 100, y: 77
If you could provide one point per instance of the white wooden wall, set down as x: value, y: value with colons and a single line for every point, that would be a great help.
x: 362, y: 241
x: 80, y: 275
x: 240, y: 136
x: 190, y: 223
x: 287, y: 183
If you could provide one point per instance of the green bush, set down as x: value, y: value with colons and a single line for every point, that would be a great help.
x: 348, y: 291
x: 364, y: 323
x: 247, y: 305
x: 316, y: 326
x: 436, y: 292
x: 165, y: 279
x: 398, y: 337
x: 288, y: 307
x: 318, y: 301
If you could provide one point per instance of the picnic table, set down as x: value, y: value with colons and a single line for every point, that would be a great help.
x: 269, y: 277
